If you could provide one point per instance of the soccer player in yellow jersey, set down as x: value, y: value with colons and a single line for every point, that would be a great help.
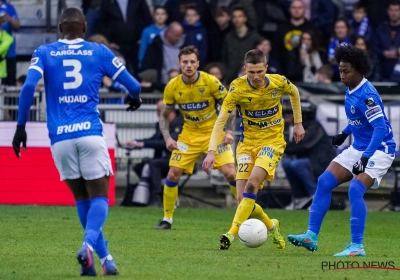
x: 197, y: 95
x: 257, y: 98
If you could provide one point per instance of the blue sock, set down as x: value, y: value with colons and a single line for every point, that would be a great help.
x: 322, y: 200
x: 83, y: 206
x: 96, y: 218
x: 358, y: 211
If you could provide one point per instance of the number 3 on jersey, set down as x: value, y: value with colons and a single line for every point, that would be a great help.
x: 74, y: 73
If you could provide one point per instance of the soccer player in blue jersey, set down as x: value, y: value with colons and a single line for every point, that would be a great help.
x: 73, y: 70
x: 364, y: 163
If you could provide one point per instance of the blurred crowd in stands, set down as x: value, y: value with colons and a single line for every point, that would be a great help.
x: 298, y: 36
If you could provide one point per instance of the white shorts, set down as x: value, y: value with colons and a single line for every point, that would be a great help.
x: 85, y: 157
x: 377, y: 165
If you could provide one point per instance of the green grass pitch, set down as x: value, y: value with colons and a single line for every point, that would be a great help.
x: 41, y: 243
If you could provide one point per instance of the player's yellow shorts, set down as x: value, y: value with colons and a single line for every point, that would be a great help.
x: 192, y: 145
x: 266, y: 157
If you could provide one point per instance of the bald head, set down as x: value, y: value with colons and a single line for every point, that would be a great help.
x: 174, y: 33
x: 72, y: 24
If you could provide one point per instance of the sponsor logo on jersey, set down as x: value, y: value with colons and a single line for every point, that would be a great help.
x: 373, y: 112
x: 196, y: 118
x: 369, y: 103
x: 72, y: 52
x: 354, y: 122
x: 73, y: 127
x: 73, y: 99
x: 34, y: 60
x: 222, y: 148
x: 268, y: 151
x: 117, y: 62
x: 262, y: 113
x: 264, y: 124
x: 194, y: 106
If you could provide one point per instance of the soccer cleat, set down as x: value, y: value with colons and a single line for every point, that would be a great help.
x: 352, y: 250
x: 109, y: 268
x: 226, y: 241
x: 308, y: 240
x: 276, y: 236
x: 85, y: 258
x: 163, y: 225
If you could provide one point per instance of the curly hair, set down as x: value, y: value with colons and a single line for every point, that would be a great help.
x: 357, y: 58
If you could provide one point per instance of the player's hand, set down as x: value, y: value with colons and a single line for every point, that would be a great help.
x: 338, y: 139
x: 19, y: 137
x: 134, y: 103
x: 208, y: 162
x: 360, y: 165
x: 171, y: 144
x: 228, y: 138
x: 298, y: 132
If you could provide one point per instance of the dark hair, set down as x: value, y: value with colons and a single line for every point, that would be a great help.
x: 220, y: 11
x: 219, y: 65
x: 366, y: 41
x: 394, y: 3
x: 160, y: 7
x: 357, y: 58
x: 359, y: 6
x: 238, y: 8
x: 314, y: 39
x: 254, y: 57
x: 192, y: 7
x: 189, y: 50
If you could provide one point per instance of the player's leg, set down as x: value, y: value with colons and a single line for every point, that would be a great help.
x: 96, y: 169
x: 229, y: 172
x: 170, y: 195
x: 336, y: 174
x: 377, y: 167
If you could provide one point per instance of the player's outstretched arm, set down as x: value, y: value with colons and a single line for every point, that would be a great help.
x: 209, y: 161
x: 164, y: 127
x: 24, y: 105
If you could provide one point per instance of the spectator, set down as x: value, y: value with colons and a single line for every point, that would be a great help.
x: 360, y: 23
x: 195, y: 33
x: 361, y: 42
x: 348, y: 7
x: 177, y: 8
x: 216, y: 69
x: 122, y: 25
x: 288, y: 36
x: 152, y: 86
x: 325, y: 74
x: 152, y: 171
x: 305, y: 61
x: 149, y: 33
x: 264, y: 45
x: 246, y: 5
x: 322, y: 17
x: 305, y: 161
x: 376, y: 11
x: 387, y: 41
x: 237, y: 43
x: 9, y: 23
x: 221, y: 26
x: 162, y: 54
x: 91, y: 9
x: 270, y: 14
x: 341, y: 36
x: 395, y: 77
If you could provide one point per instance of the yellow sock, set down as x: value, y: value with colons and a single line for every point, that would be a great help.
x: 170, y: 196
x: 259, y: 214
x: 242, y: 214
x: 232, y: 186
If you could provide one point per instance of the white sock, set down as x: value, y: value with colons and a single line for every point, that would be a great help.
x: 87, y: 244
x: 169, y: 220
x: 108, y: 257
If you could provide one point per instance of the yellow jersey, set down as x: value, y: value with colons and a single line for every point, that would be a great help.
x: 260, y: 109
x: 197, y: 102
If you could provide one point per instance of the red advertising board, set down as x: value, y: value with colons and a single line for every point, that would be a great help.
x: 33, y: 178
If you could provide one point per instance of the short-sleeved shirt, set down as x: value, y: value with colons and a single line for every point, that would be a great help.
x: 197, y: 102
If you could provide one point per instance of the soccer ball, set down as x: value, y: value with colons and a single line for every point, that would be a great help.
x: 253, y: 233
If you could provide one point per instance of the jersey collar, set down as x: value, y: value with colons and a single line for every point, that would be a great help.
x: 198, y: 77
x: 363, y: 81
x: 266, y: 84
x: 74, y: 41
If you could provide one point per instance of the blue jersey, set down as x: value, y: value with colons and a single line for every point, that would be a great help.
x: 73, y: 72
x: 363, y: 105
